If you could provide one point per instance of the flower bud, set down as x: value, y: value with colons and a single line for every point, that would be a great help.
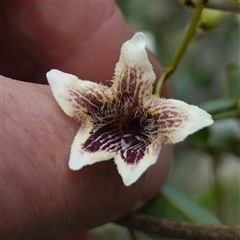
x: 211, y: 18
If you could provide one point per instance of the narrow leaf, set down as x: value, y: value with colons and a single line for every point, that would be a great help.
x: 201, y: 137
x: 220, y: 105
x: 173, y: 204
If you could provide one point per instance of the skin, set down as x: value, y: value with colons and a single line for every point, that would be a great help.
x: 40, y: 195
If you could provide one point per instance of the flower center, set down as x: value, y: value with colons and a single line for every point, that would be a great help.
x: 130, y: 140
x: 122, y: 129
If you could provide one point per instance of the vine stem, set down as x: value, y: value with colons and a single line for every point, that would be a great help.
x: 177, y: 56
x: 179, y: 230
x: 227, y: 6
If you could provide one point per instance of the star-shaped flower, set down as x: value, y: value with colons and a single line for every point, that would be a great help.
x: 123, y: 122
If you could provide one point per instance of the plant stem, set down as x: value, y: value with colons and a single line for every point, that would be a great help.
x: 179, y: 230
x: 227, y: 6
x: 177, y: 56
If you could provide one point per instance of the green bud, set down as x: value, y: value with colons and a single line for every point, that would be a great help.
x: 211, y: 18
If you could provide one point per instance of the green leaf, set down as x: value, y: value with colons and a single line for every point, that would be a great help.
x: 225, y: 135
x: 201, y: 137
x: 220, y: 105
x: 233, y: 80
x: 173, y: 204
x: 229, y: 105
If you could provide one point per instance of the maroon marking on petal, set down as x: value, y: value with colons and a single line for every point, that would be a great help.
x: 130, y: 81
x: 169, y: 117
x: 132, y: 156
x: 140, y: 90
x: 133, y: 79
x: 133, y: 147
x: 168, y: 114
x: 106, y: 137
x: 123, y: 80
x: 165, y: 139
x: 170, y: 123
x: 123, y: 128
x: 86, y: 99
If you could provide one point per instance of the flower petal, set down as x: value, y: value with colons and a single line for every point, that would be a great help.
x: 177, y: 119
x: 131, y: 171
x: 76, y: 97
x: 134, y: 74
x: 81, y: 155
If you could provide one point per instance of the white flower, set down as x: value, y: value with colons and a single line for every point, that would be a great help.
x: 123, y: 122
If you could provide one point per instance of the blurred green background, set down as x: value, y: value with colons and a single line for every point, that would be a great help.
x: 206, y: 166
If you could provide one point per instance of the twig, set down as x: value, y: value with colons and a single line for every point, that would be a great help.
x: 180, y: 230
x: 177, y: 56
x: 228, y: 6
